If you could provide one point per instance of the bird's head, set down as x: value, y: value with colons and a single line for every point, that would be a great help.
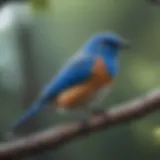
x: 106, y: 43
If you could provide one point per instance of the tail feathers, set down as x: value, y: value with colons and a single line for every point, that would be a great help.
x: 37, y: 106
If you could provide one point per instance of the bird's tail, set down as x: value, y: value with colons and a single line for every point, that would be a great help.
x: 36, y: 106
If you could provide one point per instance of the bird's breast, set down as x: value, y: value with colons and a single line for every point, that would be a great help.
x: 78, y: 94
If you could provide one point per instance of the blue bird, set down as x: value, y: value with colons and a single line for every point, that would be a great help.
x: 85, y: 79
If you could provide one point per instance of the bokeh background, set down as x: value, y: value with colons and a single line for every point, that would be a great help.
x: 38, y: 36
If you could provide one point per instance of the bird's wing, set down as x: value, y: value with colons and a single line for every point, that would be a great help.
x: 75, y: 72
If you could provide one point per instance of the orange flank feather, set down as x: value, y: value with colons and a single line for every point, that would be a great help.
x: 71, y: 97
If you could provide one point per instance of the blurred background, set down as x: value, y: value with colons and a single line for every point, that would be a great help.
x: 38, y: 36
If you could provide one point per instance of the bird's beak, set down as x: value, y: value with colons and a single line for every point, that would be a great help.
x: 125, y: 44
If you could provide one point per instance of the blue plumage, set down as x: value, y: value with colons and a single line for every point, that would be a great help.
x: 78, y: 71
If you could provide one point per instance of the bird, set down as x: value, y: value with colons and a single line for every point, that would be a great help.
x: 83, y: 82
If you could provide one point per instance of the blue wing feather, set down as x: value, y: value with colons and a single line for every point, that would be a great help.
x: 76, y: 72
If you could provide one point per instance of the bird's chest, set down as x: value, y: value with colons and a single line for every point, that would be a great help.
x: 78, y: 95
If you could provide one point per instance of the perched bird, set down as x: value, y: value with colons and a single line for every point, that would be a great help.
x: 84, y: 80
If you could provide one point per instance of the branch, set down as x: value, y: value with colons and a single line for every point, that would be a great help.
x: 56, y: 137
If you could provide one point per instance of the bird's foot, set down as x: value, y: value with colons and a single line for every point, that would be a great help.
x: 84, y: 119
x: 96, y: 112
x: 84, y: 125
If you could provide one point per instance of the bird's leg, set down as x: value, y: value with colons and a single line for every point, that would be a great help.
x: 84, y: 118
x: 84, y: 126
x: 97, y: 111
x: 84, y: 121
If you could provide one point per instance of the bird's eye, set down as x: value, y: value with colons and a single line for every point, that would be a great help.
x: 110, y: 43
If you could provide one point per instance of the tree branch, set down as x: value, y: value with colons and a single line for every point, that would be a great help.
x: 56, y: 137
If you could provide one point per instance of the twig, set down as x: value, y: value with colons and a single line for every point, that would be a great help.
x: 56, y: 137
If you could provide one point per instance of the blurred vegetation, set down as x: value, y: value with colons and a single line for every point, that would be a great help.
x: 55, y: 33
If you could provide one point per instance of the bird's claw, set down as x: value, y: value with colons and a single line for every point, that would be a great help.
x: 84, y: 125
x: 96, y: 112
